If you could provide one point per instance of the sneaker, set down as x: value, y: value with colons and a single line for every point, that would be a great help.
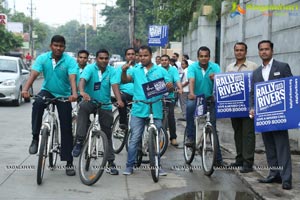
x: 112, y: 169
x: 77, y: 149
x: 34, y: 146
x: 181, y: 119
x: 189, y: 142
x: 162, y: 172
x: 174, y: 143
x: 70, y: 171
x: 128, y: 171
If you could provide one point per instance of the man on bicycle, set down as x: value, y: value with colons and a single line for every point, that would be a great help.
x: 201, y: 80
x: 96, y: 81
x: 59, y: 71
x: 139, y: 75
x: 126, y: 89
x: 174, y: 75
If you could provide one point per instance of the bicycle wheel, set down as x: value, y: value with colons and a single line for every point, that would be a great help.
x: 42, y: 155
x: 163, y: 141
x: 54, y: 146
x: 188, y: 152
x: 209, y: 150
x: 74, y: 127
x: 118, y: 136
x: 93, y: 158
x: 154, y: 152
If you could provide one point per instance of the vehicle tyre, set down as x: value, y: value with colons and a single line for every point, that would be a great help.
x: 54, y: 146
x: 92, y: 164
x: 18, y: 101
x: 119, y: 136
x: 209, y: 150
x: 188, y: 152
x: 42, y: 155
x: 154, y: 154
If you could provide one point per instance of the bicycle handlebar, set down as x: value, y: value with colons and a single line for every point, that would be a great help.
x: 51, y: 100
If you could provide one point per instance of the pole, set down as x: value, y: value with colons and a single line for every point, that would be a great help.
x: 131, y: 22
x: 85, y: 37
x: 31, y: 47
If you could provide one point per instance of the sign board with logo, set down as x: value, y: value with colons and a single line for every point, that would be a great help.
x: 154, y: 88
x: 277, y: 104
x: 232, y: 94
x: 158, y: 35
x: 200, y: 106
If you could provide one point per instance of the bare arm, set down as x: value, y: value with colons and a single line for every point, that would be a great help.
x: 179, y: 86
x: 191, y: 89
x: 81, y: 87
x: 33, y: 75
x: 116, y: 91
x: 124, y: 77
x: 72, y: 78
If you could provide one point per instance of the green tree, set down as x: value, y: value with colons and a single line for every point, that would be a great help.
x: 9, y: 41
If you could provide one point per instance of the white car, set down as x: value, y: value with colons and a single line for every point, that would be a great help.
x: 13, y: 75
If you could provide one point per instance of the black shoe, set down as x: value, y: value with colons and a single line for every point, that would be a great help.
x: 286, y: 185
x: 220, y: 164
x: 34, y: 147
x: 112, y: 169
x: 270, y: 179
x: 70, y: 171
x: 236, y: 164
x: 189, y: 142
x: 246, y: 169
x: 181, y: 119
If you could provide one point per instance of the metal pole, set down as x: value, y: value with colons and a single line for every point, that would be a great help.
x: 31, y: 30
x: 131, y: 22
x: 85, y: 37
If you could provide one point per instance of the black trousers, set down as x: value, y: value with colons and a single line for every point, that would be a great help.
x: 65, y: 119
x: 244, y: 138
x: 171, y: 120
x: 123, y: 111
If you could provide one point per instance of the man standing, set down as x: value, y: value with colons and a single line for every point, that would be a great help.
x: 174, y: 75
x: 243, y: 127
x: 201, y: 81
x: 59, y: 71
x: 95, y: 82
x: 157, y: 60
x: 276, y: 142
x: 175, y: 56
x: 139, y: 75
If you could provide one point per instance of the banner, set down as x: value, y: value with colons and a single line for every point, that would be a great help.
x: 201, y: 108
x: 158, y: 35
x: 232, y: 92
x: 277, y: 104
x: 154, y: 88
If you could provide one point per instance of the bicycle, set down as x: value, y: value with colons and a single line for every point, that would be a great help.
x: 150, y: 142
x: 93, y: 157
x: 49, y: 138
x: 205, y: 143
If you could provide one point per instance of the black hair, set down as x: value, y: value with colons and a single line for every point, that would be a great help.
x: 266, y: 41
x: 203, y: 48
x: 158, y: 56
x: 167, y: 56
x: 129, y: 49
x: 59, y: 39
x: 101, y: 51
x: 145, y: 47
x: 241, y: 43
x: 83, y: 51
x: 186, y: 56
x: 186, y: 62
x: 177, y: 55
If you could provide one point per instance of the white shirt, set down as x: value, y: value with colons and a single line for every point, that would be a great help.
x: 185, y: 79
x: 266, y: 70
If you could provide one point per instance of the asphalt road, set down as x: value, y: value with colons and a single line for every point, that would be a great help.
x: 18, y: 171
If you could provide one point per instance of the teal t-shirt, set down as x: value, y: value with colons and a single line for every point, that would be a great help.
x: 203, y: 84
x: 98, y: 85
x: 139, y: 77
x: 174, y: 75
x: 56, y: 75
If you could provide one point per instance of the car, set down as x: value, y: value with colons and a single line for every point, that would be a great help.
x: 13, y: 75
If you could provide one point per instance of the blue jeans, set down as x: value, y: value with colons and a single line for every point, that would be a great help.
x: 137, y: 126
x: 190, y: 123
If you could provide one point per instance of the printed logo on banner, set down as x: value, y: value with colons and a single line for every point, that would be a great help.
x: 231, y: 87
x: 158, y: 35
x: 270, y: 97
x: 232, y: 94
x: 154, y: 88
x: 200, y: 106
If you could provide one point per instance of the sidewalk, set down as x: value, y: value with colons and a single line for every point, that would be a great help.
x: 265, y: 191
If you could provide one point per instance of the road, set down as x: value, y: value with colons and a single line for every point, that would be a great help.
x: 18, y: 172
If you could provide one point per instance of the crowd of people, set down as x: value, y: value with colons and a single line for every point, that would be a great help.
x: 63, y: 77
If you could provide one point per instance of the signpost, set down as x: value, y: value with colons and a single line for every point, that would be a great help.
x: 158, y: 35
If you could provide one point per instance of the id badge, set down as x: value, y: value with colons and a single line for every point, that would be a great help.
x: 97, y: 86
